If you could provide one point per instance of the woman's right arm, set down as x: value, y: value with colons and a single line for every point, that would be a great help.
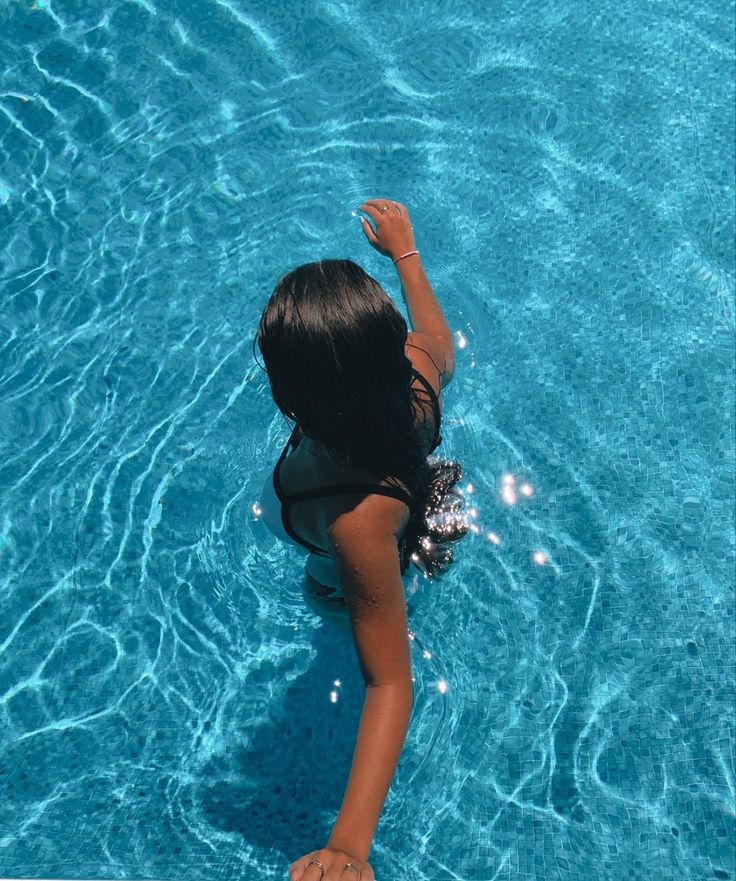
x: 393, y: 237
x: 425, y: 312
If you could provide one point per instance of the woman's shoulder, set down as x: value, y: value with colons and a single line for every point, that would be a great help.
x: 427, y: 357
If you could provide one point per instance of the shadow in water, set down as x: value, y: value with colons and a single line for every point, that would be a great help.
x: 283, y: 787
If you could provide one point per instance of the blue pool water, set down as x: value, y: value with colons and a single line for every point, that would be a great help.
x: 168, y: 703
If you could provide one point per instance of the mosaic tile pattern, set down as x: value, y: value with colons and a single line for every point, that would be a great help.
x: 169, y: 707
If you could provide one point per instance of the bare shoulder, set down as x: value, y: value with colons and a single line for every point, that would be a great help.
x: 430, y: 358
x: 375, y: 516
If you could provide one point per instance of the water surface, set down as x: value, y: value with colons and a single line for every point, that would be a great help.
x: 169, y: 707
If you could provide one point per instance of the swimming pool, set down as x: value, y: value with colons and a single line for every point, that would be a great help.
x: 169, y: 706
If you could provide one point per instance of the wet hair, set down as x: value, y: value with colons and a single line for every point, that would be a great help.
x: 333, y: 345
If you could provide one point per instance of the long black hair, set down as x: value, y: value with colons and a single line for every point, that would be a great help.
x: 333, y: 345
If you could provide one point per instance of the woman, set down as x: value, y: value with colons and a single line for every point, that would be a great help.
x: 354, y: 486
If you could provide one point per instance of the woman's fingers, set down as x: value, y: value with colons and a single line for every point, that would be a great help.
x: 371, y: 207
x: 335, y: 868
x: 383, y: 203
x: 301, y: 870
x: 368, y: 230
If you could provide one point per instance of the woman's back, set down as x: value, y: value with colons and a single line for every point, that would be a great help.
x: 310, y: 467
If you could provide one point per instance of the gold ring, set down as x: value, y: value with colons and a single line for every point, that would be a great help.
x: 321, y: 867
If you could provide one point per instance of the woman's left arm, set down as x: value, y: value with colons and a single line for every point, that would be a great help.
x: 383, y: 727
x: 364, y: 542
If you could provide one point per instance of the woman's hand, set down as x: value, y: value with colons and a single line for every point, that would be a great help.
x: 394, y: 234
x: 335, y: 869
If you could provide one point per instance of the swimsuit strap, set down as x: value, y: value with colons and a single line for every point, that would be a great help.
x: 394, y: 491
x: 435, y: 407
